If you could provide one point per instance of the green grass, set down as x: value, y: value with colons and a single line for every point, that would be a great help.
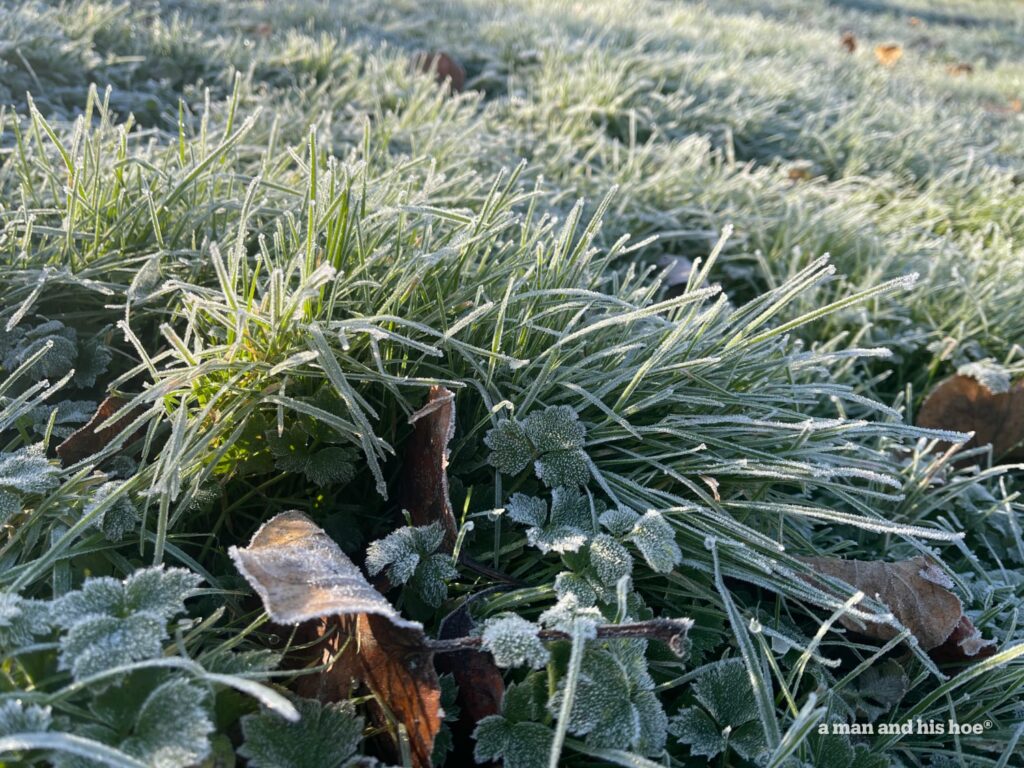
x: 266, y: 219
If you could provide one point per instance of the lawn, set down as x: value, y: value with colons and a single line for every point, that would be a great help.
x: 607, y: 402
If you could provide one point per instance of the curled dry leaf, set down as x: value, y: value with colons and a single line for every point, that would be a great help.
x: 888, y: 54
x: 302, y: 575
x: 849, y: 42
x: 445, y: 68
x: 88, y: 440
x: 960, y: 68
x: 424, y: 490
x: 917, y: 592
x: 964, y: 404
x: 481, y: 686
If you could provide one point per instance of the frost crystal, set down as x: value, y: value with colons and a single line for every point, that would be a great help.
x: 28, y: 471
x: 409, y: 556
x: 325, y: 736
x: 513, y: 642
x: 722, y: 688
x: 993, y: 377
x: 656, y: 541
x: 111, y: 622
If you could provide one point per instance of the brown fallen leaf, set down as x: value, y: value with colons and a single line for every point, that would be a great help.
x: 918, y: 593
x: 481, y: 687
x: 888, y: 54
x: 849, y: 42
x: 960, y: 68
x: 424, y: 491
x: 444, y: 67
x: 87, y: 441
x: 964, y: 404
x: 301, y: 575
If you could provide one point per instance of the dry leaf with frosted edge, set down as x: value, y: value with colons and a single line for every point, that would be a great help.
x: 424, y: 490
x: 917, y: 592
x: 481, y: 686
x: 87, y: 441
x: 444, y: 67
x: 849, y: 42
x: 301, y: 574
x: 889, y: 54
x: 964, y: 404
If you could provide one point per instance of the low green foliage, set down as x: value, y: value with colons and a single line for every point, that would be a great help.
x: 271, y: 235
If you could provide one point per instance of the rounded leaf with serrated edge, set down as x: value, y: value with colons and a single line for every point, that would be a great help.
x: 511, y: 451
x: 514, y: 642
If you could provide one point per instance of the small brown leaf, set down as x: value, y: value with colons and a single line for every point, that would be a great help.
x: 917, y: 592
x: 424, y: 490
x: 889, y: 54
x: 301, y: 575
x: 444, y: 67
x: 963, y: 404
x: 960, y: 68
x: 481, y: 686
x: 87, y: 441
x: 849, y: 42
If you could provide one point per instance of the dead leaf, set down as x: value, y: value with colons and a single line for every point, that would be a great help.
x: 914, y: 21
x: 481, y: 686
x: 444, y: 67
x: 424, y: 491
x: 87, y: 441
x: 301, y: 575
x: 963, y: 404
x: 888, y: 54
x: 917, y: 592
x: 849, y: 42
x: 960, y: 68
x: 676, y: 273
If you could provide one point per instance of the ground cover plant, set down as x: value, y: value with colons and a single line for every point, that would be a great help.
x: 636, y: 384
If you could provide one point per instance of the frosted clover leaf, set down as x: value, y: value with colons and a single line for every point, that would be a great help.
x: 15, y: 717
x: 322, y: 466
x: 119, y: 518
x: 172, y: 727
x: 111, y: 622
x: 564, y: 530
x: 514, y: 736
x: 651, y: 533
x: 615, y: 706
x: 514, y: 642
x: 656, y: 540
x: 610, y: 560
x: 409, y: 556
x: 325, y: 736
x: 552, y: 439
x: 60, y: 342
x: 22, y: 620
x: 727, y: 715
x: 568, y: 615
x: 27, y: 471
